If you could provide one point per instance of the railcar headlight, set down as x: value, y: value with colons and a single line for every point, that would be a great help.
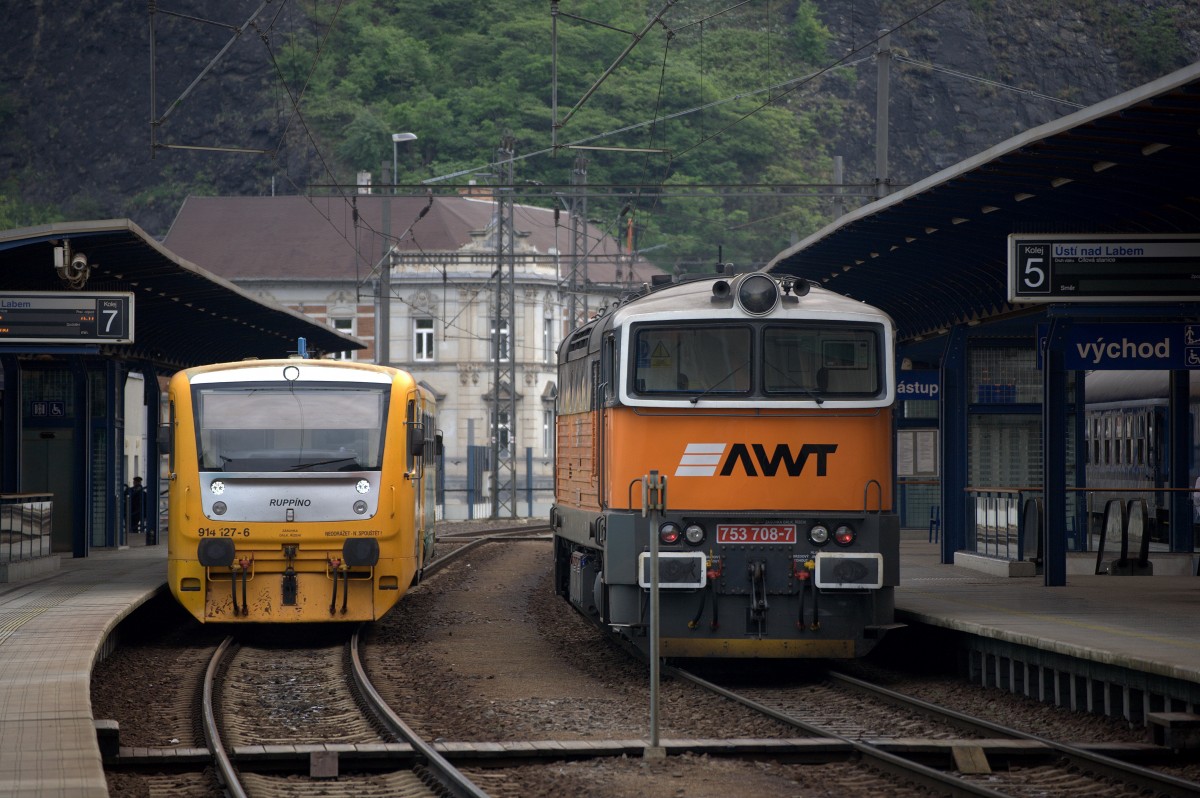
x: 360, y: 507
x: 363, y: 486
x: 669, y: 532
x: 219, y: 508
x: 694, y: 533
x: 217, y: 487
x: 843, y: 535
x: 758, y: 294
x: 819, y: 534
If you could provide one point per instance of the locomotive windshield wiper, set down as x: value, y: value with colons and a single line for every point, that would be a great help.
x: 816, y: 397
x: 319, y: 463
x: 717, y: 384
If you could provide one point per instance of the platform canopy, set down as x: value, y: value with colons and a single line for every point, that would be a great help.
x: 935, y: 254
x: 183, y: 315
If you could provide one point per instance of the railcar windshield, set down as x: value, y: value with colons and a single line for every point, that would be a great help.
x: 290, y: 427
x: 805, y: 361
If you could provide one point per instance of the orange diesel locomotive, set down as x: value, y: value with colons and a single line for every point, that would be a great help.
x: 767, y: 406
x: 300, y: 490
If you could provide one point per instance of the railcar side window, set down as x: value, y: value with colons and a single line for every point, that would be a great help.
x: 1108, y: 440
x: 261, y: 427
x: 1141, y: 440
x: 410, y: 420
x: 1117, y: 437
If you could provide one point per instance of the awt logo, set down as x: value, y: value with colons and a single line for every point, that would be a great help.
x: 703, y: 459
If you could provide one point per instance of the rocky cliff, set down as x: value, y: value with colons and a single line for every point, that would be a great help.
x: 76, y: 106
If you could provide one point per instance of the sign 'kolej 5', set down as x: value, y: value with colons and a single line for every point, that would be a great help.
x: 1086, y: 267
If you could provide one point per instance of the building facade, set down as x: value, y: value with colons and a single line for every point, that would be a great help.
x: 324, y: 258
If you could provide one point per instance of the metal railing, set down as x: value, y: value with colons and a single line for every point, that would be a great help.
x: 995, y: 527
x: 1007, y: 522
x: 26, y: 520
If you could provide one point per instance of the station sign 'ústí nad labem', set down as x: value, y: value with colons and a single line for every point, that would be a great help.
x: 1103, y: 268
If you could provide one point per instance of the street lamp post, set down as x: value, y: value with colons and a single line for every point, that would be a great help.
x: 383, y: 326
x: 396, y: 139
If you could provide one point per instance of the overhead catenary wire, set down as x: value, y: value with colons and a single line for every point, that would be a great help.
x: 785, y: 88
x: 994, y: 83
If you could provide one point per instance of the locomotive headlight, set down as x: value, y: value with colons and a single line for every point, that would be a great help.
x: 219, y: 508
x: 669, y: 532
x: 843, y: 535
x: 819, y: 534
x: 360, y: 507
x: 363, y: 486
x: 758, y: 294
x: 217, y: 487
x: 694, y: 533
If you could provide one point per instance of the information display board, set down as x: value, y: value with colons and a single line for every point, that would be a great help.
x: 66, y: 317
x: 1102, y: 267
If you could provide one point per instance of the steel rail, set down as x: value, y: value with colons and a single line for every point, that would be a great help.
x: 1143, y: 778
x: 497, y: 531
x: 488, y: 536
x: 928, y: 777
x: 226, y: 773
x: 457, y: 784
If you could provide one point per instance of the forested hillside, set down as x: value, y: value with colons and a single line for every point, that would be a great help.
x: 746, y: 104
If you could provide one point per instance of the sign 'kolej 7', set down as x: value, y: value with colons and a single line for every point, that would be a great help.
x: 66, y: 317
x: 1087, y: 268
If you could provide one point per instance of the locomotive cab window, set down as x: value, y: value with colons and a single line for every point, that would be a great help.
x: 828, y: 361
x: 790, y: 362
x: 692, y: 359
x: 297, y: 427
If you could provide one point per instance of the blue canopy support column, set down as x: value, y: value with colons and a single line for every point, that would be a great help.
x: 81, y: 459
x: 1179, y: 395
x: 1080, y: 501
x: 152, y: 395
x: 1054, y: 458
x: 113, y: 427
x: 10, y: 466
x: 955, y: 394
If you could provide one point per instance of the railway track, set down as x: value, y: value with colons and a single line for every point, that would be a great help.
x: 867, y: 717
x: 517, y: 739
x: 487, y: 531
x: 265, y: 709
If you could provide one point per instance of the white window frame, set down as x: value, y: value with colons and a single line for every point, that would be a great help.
x: 503, y: 432
x: 548, y: 432
x: 424, y: 341
x: 505, y: 341
x: 343, y: 325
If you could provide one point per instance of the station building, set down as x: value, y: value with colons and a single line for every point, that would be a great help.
x: 1015, y: 278
x: 323, y: 256
x: 94, y: 317
x: 994, y: 438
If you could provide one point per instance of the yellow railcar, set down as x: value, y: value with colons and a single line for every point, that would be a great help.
x: 300, y: 490
x: 767, y: 408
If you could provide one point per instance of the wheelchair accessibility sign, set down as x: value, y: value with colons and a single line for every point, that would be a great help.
x: 1191, y: 346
